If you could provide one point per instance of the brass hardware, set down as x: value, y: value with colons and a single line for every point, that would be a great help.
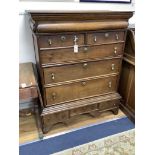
x: 95, y: 39
x: 53, y: 96
x: 85, y: 49
x: 117, y: 37
x: 52, y: 76
x: 110, y: 84
x: 63, y: 38
x: 49, y: 41
x: 83, y: 83
x: 115, y: 50
x: 85, y: 65
x: 112, y: 67
x: 106, y: 35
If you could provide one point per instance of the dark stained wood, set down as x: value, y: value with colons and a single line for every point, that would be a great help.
x: 109, y: 104
x: 55, y: 118
x: 61, y: 40
x: 85, y: 53
x: 94, y: 106
x: 78, y: 21
x: 127, y: 81
x: 80, y: 26
x: 82, y: 110
x: 81, y: 89
x: 105, y: 37
x: 78, y: 15
x: 75, y: 82
x: 74, y: 71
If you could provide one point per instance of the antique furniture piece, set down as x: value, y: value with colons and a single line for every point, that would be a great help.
x: 127, y: 80
x: 29, y: 93
x: 78, y: 55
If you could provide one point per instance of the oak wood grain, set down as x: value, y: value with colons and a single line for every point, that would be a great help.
x: 101, y: 39
x: 86, y: 53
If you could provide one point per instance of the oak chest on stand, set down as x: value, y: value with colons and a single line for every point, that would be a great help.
x: 79, y: 56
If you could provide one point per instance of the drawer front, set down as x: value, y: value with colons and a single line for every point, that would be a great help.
x: 105, y: 37
x: 65, y: 40
x: 83, y: 110
x: 82, y: 89
x: 55, y: 117
x: 89, y: 52
x: 81, y: 70
x: 109, y: 104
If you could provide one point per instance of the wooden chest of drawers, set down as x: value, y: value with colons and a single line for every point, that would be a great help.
x: 79, y: 56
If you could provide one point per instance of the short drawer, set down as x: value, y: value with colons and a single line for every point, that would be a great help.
x: 105, y: 37
x: 61, y: 40
x: 81, y: 89
x: 83, y: 110
x: 55, y: 117
x: 109, y: 104
x: 84, y: 53
x: 81, y: 70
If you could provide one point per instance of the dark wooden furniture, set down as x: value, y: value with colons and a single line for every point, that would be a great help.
x: 79, y: 57
x: 127, y: 80
x: 29, y: 93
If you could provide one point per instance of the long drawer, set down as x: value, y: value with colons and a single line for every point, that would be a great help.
x: 81, y: 70
x: 84, y: 53
x: 81, y: 89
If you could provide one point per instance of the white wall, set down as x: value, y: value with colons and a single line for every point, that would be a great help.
x: 26, y: 51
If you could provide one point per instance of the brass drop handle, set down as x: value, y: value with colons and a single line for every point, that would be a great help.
x: 106, y: 35
x: 95, y: 39
x: 85, y: 49
x: 115, y: 50
x: 49, y: 41
x: 53, y: 96
x: 85, y: 65
x: 83, y: 83
x: 63, y: 38
x: 112, y: 67
x: 52, y: 76
x: 117, y: 37
x: 110, y: 84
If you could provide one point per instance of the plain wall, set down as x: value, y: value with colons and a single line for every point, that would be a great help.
x: 26, y: 50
